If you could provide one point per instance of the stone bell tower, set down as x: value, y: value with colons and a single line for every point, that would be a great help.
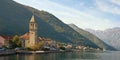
x: 32, y: 32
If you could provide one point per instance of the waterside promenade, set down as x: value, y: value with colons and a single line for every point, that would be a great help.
x: 11, y: 52
x: 7, y: 52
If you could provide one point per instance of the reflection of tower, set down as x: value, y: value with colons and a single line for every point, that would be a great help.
x: 29, y: 57
x: 32, y: 32
x: 35, y: 57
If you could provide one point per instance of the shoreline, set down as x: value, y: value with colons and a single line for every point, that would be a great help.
x: 39, y: 52
x: 6, y: 53
x: 11, y: 52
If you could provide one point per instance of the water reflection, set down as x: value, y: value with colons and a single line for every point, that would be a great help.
x: 52, y: 56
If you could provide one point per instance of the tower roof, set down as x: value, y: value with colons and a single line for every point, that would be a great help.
x: 32, y: 19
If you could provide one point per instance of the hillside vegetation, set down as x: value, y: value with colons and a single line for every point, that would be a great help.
x: 91, y: 37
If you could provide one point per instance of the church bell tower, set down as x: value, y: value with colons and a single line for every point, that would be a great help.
x: 32, y: 32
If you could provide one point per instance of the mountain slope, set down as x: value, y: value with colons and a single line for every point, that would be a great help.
x: 90, y: 36
x: 110, y: 36
x: 14, y: 19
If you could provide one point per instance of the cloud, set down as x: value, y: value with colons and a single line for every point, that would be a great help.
x: 115, y: 2
x: 108, y: 6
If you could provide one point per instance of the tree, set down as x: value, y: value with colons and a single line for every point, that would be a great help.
x: 16, y: 41
x: 62, y: 48
x: 40, y: 45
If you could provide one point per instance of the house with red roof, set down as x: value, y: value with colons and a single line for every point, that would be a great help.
x: 4, y: 40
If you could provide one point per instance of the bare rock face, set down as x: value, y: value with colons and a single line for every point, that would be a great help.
x: 110, y: 36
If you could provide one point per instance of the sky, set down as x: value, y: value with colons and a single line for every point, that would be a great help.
x: 93, y: 14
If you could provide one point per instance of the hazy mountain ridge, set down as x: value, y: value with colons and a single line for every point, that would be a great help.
x: 110, y: 36
x: 14, y: 19
x: 90, y: 36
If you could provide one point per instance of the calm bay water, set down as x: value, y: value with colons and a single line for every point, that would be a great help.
x: 111, y: 55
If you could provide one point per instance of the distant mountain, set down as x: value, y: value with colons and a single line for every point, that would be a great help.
x: 110, y: 36
x: 90, y: 36
x: 14, y: 19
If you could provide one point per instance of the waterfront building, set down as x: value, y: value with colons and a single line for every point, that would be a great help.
x: 5, y: 41
x: 30, y: 38
x: 2, y: 41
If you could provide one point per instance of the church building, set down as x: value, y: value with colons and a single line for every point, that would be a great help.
x: 32, y: 33
x: 31, y: 38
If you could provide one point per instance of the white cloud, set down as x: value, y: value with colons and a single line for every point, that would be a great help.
x: 70, y: 15
x: 108, y: 6
x: 115, y: 2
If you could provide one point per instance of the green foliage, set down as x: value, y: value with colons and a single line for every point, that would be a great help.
x: 29, y: 49
x: 62, y: 48
x: 40, y: 45
x: 16, y: 42
x: 45, y: 49
x: 16, y: 39
x: 61, y: 44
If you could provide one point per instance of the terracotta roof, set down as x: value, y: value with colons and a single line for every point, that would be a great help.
x: 25, y: 36
x: 2, y: 39
x: 7, y: 37
x: 41, y: 38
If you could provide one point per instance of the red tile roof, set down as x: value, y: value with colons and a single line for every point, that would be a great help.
x: 25, y: 36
